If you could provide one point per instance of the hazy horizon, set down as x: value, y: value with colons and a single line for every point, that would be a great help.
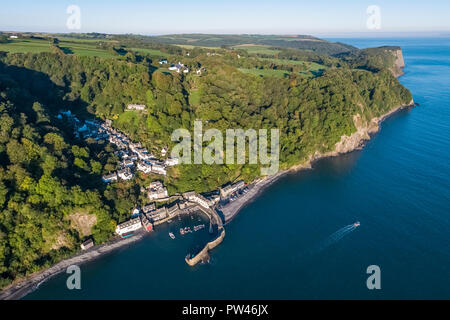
x: 231, y: 17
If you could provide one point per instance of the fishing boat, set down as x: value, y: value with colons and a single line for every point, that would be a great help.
x: 171, y: 235
x: 182, y: 231
x: 199, y: 227
x: 356, y: 224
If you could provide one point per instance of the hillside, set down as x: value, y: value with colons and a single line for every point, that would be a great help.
x: 50, y: 179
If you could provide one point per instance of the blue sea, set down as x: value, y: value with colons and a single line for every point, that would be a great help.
x: 295, y: 241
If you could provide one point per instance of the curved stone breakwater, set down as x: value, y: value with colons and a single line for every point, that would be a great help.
x: 203, y: 255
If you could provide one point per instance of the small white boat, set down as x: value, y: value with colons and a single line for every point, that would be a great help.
x: 171, y: 235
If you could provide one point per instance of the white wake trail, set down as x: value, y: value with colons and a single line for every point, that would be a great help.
x: 335, y: 237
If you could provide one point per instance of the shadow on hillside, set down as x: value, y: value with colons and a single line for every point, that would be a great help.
x: 25, y: 87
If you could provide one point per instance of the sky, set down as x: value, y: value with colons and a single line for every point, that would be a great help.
x: 230, y: 16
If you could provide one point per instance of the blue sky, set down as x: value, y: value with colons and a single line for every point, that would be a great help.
x: 231, y: 16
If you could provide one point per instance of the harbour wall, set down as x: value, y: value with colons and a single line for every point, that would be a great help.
x: 204, y: 253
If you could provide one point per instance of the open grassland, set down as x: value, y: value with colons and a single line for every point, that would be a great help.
x: 152, y: 52
x: 251, y: 48
x: 81, y: 48
x: 24, y: 46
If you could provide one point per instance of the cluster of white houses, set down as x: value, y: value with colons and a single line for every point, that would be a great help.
x: 190, y: 201
x: 150, y: 215
x: 179, y: 67
x: 133, y: 156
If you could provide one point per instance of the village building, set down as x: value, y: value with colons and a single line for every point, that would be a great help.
x: 142, y: 153
x: 199, y: 199
x: 231, y: 188
x: 129, y: 226
x: 125, y: 174
x: 171, y: 161
x: 87, y: 244
x: 127, y: 163
x: 146, y: 224
x: 155, y: 194
x: 188, y: 195
x: 173, y: 210
x: 159, y: 169
x: 109, y: 177
x: 213, y: 199
x: 144, y: 167
x: 148, y: 208
x: 158, y: 214
x: 135, y: 146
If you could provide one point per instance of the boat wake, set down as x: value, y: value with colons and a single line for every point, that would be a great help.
x: 337, y: 236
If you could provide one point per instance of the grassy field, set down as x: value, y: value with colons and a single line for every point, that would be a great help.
x: 152, y: 52
x: 194, y: 97
x: 24, y: 46
x: 70, y: 46
x: 257, y: 49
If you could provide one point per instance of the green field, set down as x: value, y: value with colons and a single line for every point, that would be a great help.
x: 77, y: 47
x: 152, y: 52
x: 258, y: 49
x: 24, y: 46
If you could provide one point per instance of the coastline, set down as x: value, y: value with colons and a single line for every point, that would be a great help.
x: 356, y: 141
x: 232, y: 209
x: 24, y: 286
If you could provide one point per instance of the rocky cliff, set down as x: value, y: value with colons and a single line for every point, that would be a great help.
x: 399, y: 63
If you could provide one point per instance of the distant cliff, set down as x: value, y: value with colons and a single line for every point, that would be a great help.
x: 376, y: 59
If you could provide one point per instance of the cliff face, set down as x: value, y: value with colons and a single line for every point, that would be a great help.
x: 399, y: 63
x: 363, y: 131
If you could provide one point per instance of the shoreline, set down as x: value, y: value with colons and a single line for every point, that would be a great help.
x: 231, y: 210
x: 24, y: 286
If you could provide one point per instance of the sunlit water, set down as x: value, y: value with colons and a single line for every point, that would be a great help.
x: 398, y: 187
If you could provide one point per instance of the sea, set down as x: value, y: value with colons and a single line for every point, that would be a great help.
x: 297, y: 239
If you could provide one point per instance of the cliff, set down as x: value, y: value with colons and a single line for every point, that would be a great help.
x: 399, y: 63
